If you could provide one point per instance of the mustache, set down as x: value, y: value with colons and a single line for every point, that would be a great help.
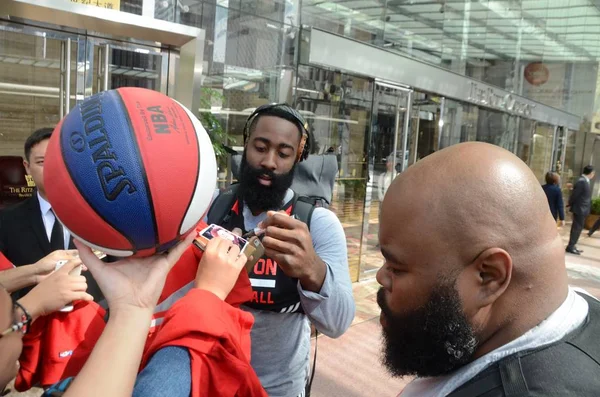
x: 381, y: 302
x: 265, y: 171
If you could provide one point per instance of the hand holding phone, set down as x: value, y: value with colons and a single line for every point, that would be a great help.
x: 252, y: 248
x: 75, y: 272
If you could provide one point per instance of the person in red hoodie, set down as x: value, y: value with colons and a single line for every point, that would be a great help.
x: 132, y: 288
x: 218, y: 340
x: 52, y: 293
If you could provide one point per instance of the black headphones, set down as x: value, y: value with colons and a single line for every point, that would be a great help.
x: 285, y: 111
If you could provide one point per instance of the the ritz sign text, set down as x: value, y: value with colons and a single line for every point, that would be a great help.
x: 499, y: 100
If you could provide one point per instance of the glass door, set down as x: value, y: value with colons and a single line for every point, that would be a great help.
x: 568, y: 175
x: 117, y: 64
x: 459, y: 123
x: 38, y: 81
x: 524, y: 140
x: 426, y: 126
x: 541, y: 156
x: 338, y: 107
x: 558, y: 153
x: 387, y: 157
x: 38, y: 86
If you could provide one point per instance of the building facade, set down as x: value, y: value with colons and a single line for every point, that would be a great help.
x: 378, y: 80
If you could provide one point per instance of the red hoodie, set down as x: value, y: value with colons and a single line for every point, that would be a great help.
x: 5, y: 264
x: 218, y: 341
x: 216, y: 333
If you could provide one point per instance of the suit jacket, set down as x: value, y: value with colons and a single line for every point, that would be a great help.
x: 555, y: 201
x: 580, y: 201
x: 23, y: 239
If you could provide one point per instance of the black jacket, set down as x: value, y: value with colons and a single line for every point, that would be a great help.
x: 555, y: 201
x: 580, y: 201
x: 23, y: 239
x: 569, y: 367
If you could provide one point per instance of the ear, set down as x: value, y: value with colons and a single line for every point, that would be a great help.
x: 490, y: 273
x: 26, y: 165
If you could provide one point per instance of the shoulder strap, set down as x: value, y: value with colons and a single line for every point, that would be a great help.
x: 509, y: 376
x: 587, y: 340
x: 303, y: 209
x: 483, y: 383
x: 221, y: 205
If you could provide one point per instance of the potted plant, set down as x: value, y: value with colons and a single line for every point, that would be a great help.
x: 214, y: 128
x: 594, y: 213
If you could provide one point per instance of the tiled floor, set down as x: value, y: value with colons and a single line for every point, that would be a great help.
x: 349, y: 366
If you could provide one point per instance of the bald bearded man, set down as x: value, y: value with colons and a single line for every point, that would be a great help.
x: 474, y: 278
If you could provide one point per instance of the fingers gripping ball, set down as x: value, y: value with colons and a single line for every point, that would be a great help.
x: 130, y: 171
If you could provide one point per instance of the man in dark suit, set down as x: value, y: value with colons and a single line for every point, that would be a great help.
x: 29, y: 231
x: 580, y: 204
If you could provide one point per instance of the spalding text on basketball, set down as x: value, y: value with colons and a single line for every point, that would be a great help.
x: 159, y: 120
x: 112, y: 177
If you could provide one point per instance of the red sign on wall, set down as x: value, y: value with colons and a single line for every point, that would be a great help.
x: 536, y: 73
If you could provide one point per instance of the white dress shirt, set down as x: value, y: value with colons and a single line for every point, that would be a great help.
x: 49, y: 219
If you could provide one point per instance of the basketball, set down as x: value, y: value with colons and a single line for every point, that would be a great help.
x: 130, y: 172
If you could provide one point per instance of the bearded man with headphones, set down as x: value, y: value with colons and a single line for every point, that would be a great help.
x: 301, y: 279
x: 303, y: 276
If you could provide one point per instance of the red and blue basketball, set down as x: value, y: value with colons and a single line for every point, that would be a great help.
x: 130, y: 172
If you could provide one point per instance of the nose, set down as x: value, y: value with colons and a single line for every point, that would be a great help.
x: 269, y: 161
x: 383, y: 278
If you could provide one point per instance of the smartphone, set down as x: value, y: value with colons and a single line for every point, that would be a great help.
x: 252, y: 248
x: 213, y: 231
x: 75, y: 272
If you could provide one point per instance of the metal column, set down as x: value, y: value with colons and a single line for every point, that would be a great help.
x: 406, y: 130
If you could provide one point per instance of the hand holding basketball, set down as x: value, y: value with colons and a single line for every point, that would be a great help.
x: 133, y: 283
x: 220, y: 267
x: 106, y: 177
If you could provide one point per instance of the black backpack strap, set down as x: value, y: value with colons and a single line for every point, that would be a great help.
x: 503, y: 379
x: 221, y: 205
x: 587, y: 340
x: 544, y: 367
x: 303, y: 209
x: 485, y: 382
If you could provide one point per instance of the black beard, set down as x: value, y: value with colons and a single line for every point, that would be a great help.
x: 259, y: 197
x: 433, y: 340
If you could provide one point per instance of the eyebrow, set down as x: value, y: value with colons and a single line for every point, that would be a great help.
x: 268, y: 142
x: 391, y: 257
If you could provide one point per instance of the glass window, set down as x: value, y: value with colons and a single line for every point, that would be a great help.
x: 424, y: 126
x: 31, y: 84
x: 497, y: 128
x: 338, y: 109
x: 250, y: 62
x: 526, y: 128
x: 541, y: 155
x: 459, y: 123
x: 388, y: 122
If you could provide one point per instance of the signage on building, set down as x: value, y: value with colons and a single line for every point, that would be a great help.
x: 498, y: 99
x: 109, y: 4
x: 536, y: 73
